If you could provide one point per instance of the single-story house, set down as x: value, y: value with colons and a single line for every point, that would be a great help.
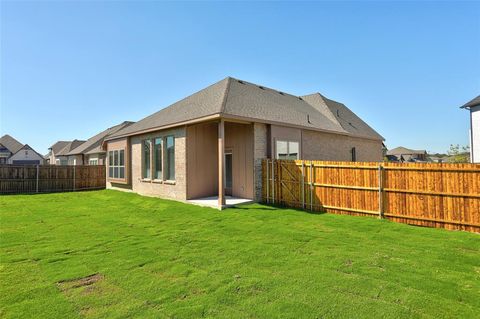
x: 474, y: 107
x: 403, y: 154
x: 14, y: 152
x: 54, y: 150
x: 59, y: 152
x: 91, y: 152
x: 212, y: 143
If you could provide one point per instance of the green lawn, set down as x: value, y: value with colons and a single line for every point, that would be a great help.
x: 154, y: 258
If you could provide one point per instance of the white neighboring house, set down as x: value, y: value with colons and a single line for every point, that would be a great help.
x: 14, y: 152
x: 474, y: 107
x: 26, y: 156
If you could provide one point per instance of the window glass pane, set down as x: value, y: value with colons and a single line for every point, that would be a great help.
x: 115, y: 172
x: 228, y: 170
x: 281, y: 149
x: 293, y: 150
x: 115, y: 158
x: 157, y: 158
x: 122, y: 172
x: 170, y: 169
x: 110, y: 158
x: 122, y: 158
x: 146, y: 159
x: 110, y: 171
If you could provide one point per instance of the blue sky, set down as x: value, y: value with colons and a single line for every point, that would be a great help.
x: 71, y: 69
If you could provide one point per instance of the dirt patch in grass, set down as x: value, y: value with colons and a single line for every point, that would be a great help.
x: 87, y: 282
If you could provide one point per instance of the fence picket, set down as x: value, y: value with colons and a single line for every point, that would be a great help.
x: 433, y: 195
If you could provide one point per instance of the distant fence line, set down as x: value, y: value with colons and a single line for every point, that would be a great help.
x: 433, y: 194
x: 27, y: 179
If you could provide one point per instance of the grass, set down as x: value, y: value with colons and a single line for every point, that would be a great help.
x: 113, y: 254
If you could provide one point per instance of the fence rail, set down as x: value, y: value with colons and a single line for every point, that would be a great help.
x: 434, y: 194
x: 26, y: 179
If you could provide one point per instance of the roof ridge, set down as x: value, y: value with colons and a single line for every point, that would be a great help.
x: 225, y: 94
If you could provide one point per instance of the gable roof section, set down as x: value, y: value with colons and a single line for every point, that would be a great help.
x: 58, y: 146
x: 28, y: 147
x: 69, y: 146
x: 93, y: 144
x: 472, y: 103
x: 10, y: 143
x: 241, y: 99
x: 404, y: 151
x: 341, y: 114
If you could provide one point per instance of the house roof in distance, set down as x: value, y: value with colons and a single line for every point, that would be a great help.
x: 244, y: 100
x: 10, y: 143
x: 69, y: 146
x: 404, y: 151
x: 93, y: 144
x: 58, y: 146
x: 472, y: 103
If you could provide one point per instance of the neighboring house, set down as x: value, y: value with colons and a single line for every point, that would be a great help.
x: 54, y: 150
x: 14, y: 152
x: 403, y: 154
x: 61, y: 157
x: 91, y: 152
x: 212, y: 143
x: 26, y: 156
x: 8, y: 147
x: 474, y: 107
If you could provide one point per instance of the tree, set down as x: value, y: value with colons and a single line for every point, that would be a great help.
x: 459, y: 154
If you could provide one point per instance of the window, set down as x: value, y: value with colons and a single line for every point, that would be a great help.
x: 354, y: 154
x: 157, y: 158
x: 146, y: 160
x: 287, y: 150
x: 92, y: 162
x: 116, y: 164
x: 170, y: 158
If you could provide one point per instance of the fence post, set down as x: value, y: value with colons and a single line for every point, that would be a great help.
x: 311, y: 185
x: 380, y: 191
x: 303, y: 185
x: 267, y: 181
x: 37, y: 179
x: 273, y: 181
x: 73, y: 177
x: 23, y: 182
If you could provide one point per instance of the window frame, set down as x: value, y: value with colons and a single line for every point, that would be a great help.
x: 163, y: 160
x: 143, y: 175
x: 114, y: 165
x: 288, y: 142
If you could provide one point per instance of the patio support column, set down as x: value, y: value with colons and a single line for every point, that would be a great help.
x: 221, y: 164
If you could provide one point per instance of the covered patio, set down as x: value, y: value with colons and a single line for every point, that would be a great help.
x: 220, y: 163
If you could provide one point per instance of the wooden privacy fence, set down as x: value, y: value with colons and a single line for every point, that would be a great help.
x: 25, y: 179
x: 433, y: 195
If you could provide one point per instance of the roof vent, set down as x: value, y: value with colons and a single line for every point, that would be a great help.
x: 281, y: 93
x: 241, y: 82
x: 300, y: 98
x: 338, y: 113
x: 261, y: 87
x: 308, y: 119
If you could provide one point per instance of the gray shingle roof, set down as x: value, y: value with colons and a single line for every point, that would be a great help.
x: 68, y: 147
x: 93, y: 144
x: 232, y: 97
x: 10, y: 143
x: 58, y: 146
x: 472, y: 103
x: 404, y: 151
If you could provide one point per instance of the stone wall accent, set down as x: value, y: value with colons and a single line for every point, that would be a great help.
x: 259, y: 153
